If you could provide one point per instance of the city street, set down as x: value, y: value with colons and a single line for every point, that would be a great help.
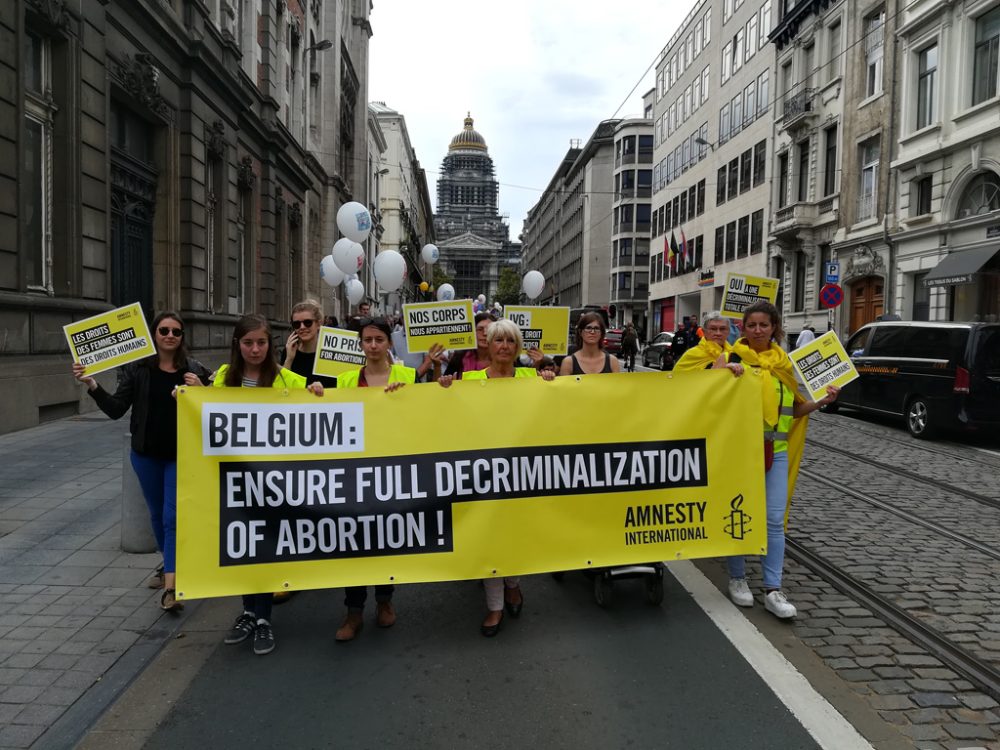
x: 87, y: 656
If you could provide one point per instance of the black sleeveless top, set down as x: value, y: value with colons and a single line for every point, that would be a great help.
x: 577, y: 370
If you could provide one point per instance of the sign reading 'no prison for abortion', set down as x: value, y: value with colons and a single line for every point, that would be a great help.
x: 283, y: 490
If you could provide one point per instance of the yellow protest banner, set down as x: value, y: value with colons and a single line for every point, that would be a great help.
x: 544, y: 328
x: 741, y: 291
x: 450, y: 324
x: 823, y: 362
x: 283, y: 490
x: 111, y: 339
x: 339, y: 350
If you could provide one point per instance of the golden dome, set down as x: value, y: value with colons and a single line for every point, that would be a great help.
x: 468, y: 138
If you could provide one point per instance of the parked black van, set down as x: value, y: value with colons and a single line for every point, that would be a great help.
x: 937, y: 376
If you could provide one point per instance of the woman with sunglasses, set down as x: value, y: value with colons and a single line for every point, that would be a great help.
x: 300, y: 348
x: 252, y: 364
x: 589, y: 358
x: 148, y: 388
x: 504, y: 343
x: 378, y: 372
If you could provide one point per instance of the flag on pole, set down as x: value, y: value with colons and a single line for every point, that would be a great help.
x: 673, y: 252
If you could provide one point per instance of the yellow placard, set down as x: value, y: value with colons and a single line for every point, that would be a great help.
x: 451, y: 324
x: 544, y: 328
x: 281, y: 490
x: 821, y: 363
x: 111, y: 339
x: 339, y: 351
x: 742, y: 291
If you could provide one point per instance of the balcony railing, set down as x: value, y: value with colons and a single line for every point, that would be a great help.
x: 797, y: 106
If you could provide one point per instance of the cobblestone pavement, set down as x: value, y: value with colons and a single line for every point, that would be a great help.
x: 71, y: 603
x: 950, y: 587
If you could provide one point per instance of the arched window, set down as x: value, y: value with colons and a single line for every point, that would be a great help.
x: 981, y: 196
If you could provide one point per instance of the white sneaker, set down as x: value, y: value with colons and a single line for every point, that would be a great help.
x: 739, y: 592
x: 778, y: 605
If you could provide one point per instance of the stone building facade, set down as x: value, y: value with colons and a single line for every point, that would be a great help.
x: 188, y: 155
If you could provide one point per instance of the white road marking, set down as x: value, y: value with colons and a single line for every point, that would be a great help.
x: 815, y: 713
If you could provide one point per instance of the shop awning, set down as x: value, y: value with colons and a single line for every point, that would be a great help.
x: 959, y: 268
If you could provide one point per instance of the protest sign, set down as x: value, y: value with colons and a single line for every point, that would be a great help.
x: 742, y: 291
x: 280, y: 490
x: 450, y: 324
x: 823, y: 362
x: 111, y: 339
x: 544, y: 328
x: 339, y: 351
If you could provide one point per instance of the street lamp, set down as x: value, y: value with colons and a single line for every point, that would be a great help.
x: 320, y: 46
x: 702, y: 142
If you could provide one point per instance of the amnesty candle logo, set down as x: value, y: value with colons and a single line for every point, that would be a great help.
x: 739, y: 522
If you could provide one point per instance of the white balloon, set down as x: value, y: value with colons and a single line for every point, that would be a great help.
x: 354, y: 221
x: 329, y: 272
x: 482, y: 299
x: 355, y: 291
x: 533, y: 284
x: 350, y: 277
x: 446, y: 293
x: 348, y: 255
x: 430, y: 254
x: 389, y: 268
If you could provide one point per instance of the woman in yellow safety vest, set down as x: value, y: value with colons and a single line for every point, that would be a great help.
x: 785, y: 412
x: 379, y: 371
x: 504, y: 342
x: 252, y: 364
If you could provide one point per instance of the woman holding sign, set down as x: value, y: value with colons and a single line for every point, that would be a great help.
x: 784, y: 415
x: 148, y: 388
x: 378, y: 372
x: 472, y: 359
x: 589, y: 358
x: 504, y: 344
x: 252, y: 364
x: 712, y: 351
x: 300, y: 349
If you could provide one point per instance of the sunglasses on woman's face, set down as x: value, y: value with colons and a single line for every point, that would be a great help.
x: 306, y: 323
x: 167, y: 331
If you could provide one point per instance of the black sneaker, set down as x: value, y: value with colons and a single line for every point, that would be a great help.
x: 263, y: 638
x: 242, y: 629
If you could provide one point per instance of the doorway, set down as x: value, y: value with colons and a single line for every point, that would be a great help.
x: 867, y: 301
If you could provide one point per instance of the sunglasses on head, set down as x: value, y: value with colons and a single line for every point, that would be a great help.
x: 306, y: 323
x: 167, y: 331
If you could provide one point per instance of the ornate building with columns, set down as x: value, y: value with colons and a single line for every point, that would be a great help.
x: 187, y: 154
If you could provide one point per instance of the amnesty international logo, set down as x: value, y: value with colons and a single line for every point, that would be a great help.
x: 739, y: 522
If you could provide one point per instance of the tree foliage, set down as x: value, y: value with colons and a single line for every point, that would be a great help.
x: 508, y: 287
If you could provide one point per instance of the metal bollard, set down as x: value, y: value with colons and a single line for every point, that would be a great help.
x: 137, y: 532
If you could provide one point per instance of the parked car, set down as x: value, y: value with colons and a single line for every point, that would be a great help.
x: 936, y: 376
x: 658, y: 353
x: 613, y: 341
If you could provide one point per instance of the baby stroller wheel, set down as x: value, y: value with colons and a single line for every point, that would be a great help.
x: 654, y: 590
x: 603, y: 590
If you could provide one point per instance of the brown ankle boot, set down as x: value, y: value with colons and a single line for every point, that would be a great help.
x: 350, y: 628
x: 385, y: 615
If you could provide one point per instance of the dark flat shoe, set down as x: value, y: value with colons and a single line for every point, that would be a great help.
x: 491, y: 630
x: 514, y: 610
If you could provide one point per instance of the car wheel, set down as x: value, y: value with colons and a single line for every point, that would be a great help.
x: 663, y: 361
x: 918, y: 418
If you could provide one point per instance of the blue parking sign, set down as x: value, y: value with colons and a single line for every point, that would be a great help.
x: 831, y: 272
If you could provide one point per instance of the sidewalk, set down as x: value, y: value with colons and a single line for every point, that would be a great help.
x: 71, y: 603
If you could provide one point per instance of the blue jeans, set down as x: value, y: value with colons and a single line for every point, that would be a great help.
x: 158, y: 479
x: 776, y: 488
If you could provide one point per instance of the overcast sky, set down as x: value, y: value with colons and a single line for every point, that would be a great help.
x: 534, y: 74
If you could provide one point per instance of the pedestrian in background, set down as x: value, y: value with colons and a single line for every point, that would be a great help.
x: 148, y: 388
x: 504, y: 342
x: 784, y: 421
x: 378, y: 372
x: 806, y: 335
x: 589, y: 358
x: 252, y: 364
x: 546, y: 364
x: 630, y: 346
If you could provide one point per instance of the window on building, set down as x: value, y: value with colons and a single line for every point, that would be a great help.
x: 703, y: 146
x: 799, y: 291
x: 724, y: 123
x: 981, y: 196
x: 730, y: 241
x: 644, y: 183
x: 830, y: 161
x: 920, y: 195
x: 727, y: 10
x: 746, y: 161
x: 720, y: 245
x: 685, y: 155
x: 696, y: 93
x: 833, y: 51
x: 808, y: 61
x: 734, y: 177
x: 803, y: 191
x: 627, y: 212
x: 738, y: 42
x: 684, y: 207
x: 757, y: 232
x: 743, y: 237
x: 765, y: 22
x: 782, y: 180
x: 705, y: 74
x: 921, y: 298
x: 701, y: 198
x: 759, y: 155
x: 868, y: 189
x: 874, y: 27
x: 624, y: 252
x: 668, y: 218
x: 736, y: 106
x: 751, y: 40
x: 763, y: 103
x: 36, y: 161
x: 749, y: 103
x: 727, y: 61
x: 986, y: 57
x: 720, y: 186
x: 708, y: 26
x: 787, y: 82
x: 926, y: 85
